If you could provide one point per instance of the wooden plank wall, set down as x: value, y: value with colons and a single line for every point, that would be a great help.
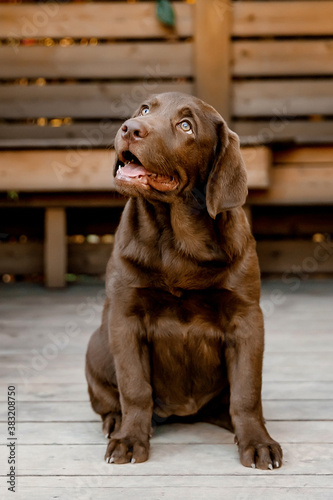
x: 70, y: 71
x: 66, y: 85
x: 69, y: 75
x: 282, y: 69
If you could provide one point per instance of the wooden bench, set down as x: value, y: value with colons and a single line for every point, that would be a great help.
x: 67, y: 84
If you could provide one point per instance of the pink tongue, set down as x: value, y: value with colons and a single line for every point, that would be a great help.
x: 130, y: 171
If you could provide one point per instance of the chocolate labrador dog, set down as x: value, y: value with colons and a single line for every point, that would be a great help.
x: 182, y: 331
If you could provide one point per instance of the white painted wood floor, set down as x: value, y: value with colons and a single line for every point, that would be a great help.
x: 60, y: 446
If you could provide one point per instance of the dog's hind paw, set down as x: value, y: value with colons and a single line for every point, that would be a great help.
x: 111, y: 423
x: 123, y: 451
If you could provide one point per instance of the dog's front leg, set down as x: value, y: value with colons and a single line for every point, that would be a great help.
x: 131, y: 357
x: 244, y: 355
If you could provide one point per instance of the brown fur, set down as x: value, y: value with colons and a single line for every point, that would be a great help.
x: 182, y: 330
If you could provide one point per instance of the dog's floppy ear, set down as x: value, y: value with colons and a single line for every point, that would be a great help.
x: 227, y: 182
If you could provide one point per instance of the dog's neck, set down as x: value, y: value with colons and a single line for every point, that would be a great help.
x: 193, y: 231
x: 181, y: 224
x: 170, y: 247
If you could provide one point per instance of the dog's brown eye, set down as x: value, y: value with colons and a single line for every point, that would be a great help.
x: 186, y: 127
x: 144, y: 110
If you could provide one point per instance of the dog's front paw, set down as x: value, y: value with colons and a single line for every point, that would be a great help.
x: 261, y: 454
x: 123, y: 451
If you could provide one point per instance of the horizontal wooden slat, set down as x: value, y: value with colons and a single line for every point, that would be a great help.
x: 258, y: 161
x: 297, y: 185
x: 96, y: 100
x: 95, y: 134
x: 276, y: 58
x: 285, y: 256
x: 283, y: 18
x: 66, y: 411
x: 275, y: 256
x: 78, y: 392
x: 118, y: 60
x: 21, y: 258
x: 27, y: 259
x: 71, y: 170
x: 305, y: 155
x: 84, y: 464
x: 292, y: 221
x: 255, y: 132
x: 280, y: 129
x: 195, y: 487
x: 100, y: 20
x: 77, y: 199
x: 89, y: 433
x: 283, y: 98
x: 88, y: 258
x: 88, y: 170
x: 121, y: 20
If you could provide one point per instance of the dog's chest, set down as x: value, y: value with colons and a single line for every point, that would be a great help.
x: 181, y: 310
x: 185, y: 335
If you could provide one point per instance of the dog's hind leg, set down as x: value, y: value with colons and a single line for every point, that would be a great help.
x: 103, y: 392
x: 107, y: 405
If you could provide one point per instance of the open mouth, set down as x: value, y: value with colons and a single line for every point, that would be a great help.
x: 131, y: 170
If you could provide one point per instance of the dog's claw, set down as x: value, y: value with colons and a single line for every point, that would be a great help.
x: 277, y: 465
x: 270, y: 466
x: 107, y: 436
x: 253, y: 466
x: 133, y: 460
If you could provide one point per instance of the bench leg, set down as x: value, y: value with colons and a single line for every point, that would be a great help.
x: 55, y: 249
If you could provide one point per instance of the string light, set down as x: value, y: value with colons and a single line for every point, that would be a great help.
x: 48, y: 42
x: 66, y: 42
x: 318, y: 238
x: 40, y: 82
x: 93, y: 239
x: 41, y: 122
x: 56, y: 122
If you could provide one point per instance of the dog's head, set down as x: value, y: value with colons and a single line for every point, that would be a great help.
x: 177, y: 145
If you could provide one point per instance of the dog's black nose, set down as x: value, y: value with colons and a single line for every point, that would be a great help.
x: 133, y: 130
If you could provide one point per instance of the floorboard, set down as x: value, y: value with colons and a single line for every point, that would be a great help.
x: 60, y: 446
